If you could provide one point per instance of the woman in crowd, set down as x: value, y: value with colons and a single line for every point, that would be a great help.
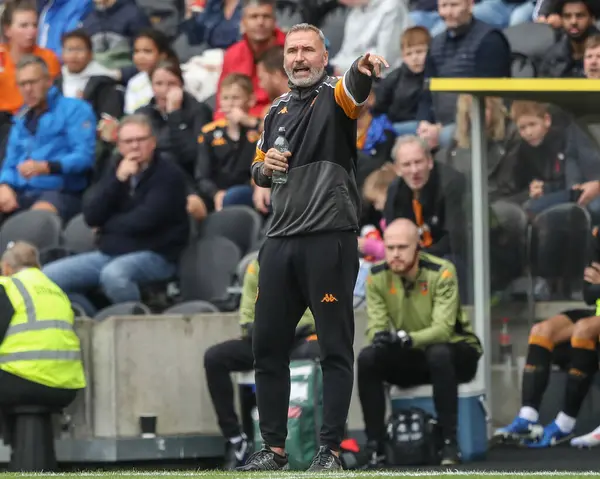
x: 149, y: 48
x: 177, y: 117
x: 19, y: 27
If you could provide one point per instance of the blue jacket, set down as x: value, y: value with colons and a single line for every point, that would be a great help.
x: 212, y: 28
x: 115, y: 27
x: 58, y: 17
x: 65, y: 137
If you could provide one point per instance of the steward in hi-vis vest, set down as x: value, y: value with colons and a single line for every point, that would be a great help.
x: 40, y: 353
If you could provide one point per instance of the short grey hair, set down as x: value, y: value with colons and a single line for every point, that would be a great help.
x: 408, y: 139
x: 136, y: 119
x: 27, y: 60
x: 20, y: 255
x: 307, y: 27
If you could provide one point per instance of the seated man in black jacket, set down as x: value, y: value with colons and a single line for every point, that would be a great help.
x: 569, y: 340
x: 429, y: 194
x: 565, y: 58
x: 138, y: 210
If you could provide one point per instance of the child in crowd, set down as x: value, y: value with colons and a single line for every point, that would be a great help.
x: 149, y: 48
x: 399, y: 92
x: 226, y: 149
x: 370, y: 243
x: 83, y: 77
x: 554, y: 164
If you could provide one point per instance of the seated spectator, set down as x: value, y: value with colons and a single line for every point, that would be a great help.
x: 569, y: 340
x: 374, y: 26
x: 418, y: 338
x: 83, y: 77
x: 271, y: 74
x: 138, y: 211
x: 565, y: 58
x: 399, y: 93
x: 375, y: 191
x: 149, y: 48
x: 236, y: 355
x: 469, y: 48
x: 499, y: 13
x: 374, y: 139
x: 260, y: 33
x: 500, y: 134
x: 58, y: 18
x: 19, y: 28
x: 544, y: 13
x: 216, y: 26
x: 226, y: 149
x: 177, y: 117
x: 112, y: 25
x: 591, y: 58
x: 428, y: 193
x: 36, y: 318
x: 551, y: 165
x: 50, y: 150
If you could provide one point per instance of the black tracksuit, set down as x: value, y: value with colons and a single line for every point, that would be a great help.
x: 310, y: 256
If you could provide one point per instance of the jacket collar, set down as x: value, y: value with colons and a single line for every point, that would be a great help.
x: 52, y: 98
x: 303, y: 93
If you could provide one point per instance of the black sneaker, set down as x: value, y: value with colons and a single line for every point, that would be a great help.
x: 325, y: 460
x: 236, y: 454
x: 265, y: 460
x: 450, y: 453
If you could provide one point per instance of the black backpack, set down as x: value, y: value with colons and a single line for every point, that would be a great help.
x: 413, y: 439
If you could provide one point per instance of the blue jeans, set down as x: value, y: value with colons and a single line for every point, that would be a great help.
x: 555, y: 198
x: 238, y: 195
x: 118, y: 276
x: 406, y: 128
x: 495, y: 12
x: 447, y: 135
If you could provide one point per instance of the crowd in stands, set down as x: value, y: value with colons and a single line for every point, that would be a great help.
x: 72, y: 70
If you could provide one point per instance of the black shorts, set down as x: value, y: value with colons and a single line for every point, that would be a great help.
x: 576, y: 314
x: 561, y: 356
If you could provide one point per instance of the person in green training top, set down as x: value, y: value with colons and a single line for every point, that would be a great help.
x: 236, y: 355
x: 418, y: 334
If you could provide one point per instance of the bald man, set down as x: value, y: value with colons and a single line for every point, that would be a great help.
x: 417, y: 334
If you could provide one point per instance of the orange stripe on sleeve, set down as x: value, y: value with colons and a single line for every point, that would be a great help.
x: 581, y: 343
x: 259, y: 156
x: 343, y: 99
x: 542, y: 342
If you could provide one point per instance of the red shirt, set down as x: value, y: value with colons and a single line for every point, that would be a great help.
x: 239, y: 58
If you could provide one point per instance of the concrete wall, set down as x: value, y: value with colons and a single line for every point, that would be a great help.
x: 154, y: 365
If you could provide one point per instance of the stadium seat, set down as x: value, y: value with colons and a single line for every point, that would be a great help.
x: 333, y: 29
x: 207, y: 269
x: 131, y: 308
x: 550, y: 258
x: 528, y: 43
x: 508, y: 241
x: 78, y: 236
x: 42, y: 229
x: 192, y: 307
x: 78, y: 310
x: 288, y: 15
x: 240, y: 224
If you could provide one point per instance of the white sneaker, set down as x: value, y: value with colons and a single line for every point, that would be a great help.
x: 591, y: 439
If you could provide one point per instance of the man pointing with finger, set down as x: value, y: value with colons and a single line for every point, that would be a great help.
x: 310, y: 256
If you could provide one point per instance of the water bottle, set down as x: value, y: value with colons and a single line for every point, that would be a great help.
x: 281, y: 145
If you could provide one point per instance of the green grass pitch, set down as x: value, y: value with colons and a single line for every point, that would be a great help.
x: 303, y: 475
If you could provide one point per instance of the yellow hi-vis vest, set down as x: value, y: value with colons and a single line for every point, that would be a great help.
x: 40, y: 344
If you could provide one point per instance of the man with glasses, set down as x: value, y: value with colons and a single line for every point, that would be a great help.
x: 138, y: 210
x: 50, y: 149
